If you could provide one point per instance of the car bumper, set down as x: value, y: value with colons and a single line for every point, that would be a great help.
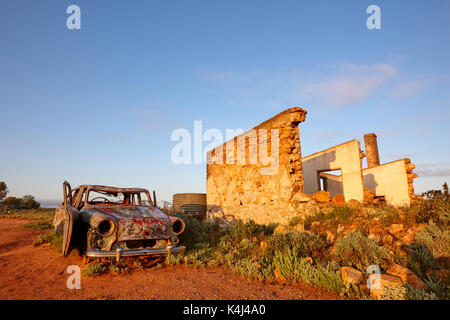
x: 118, y: 253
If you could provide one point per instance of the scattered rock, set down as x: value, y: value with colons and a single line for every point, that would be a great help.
x: 259, y: 265
x: 376, y: 230
x: 302, y: 197
x: 263, y: 244
x: 308, y: 260
x: 278, y: 277
x: 378, y: 282
x: 395, y: 228
x: 407, y: 276
x: 350, y: 275
x: 368, y: 196
x: 315, y: 224
x: 330, y: 236
x: 280, y: 229
x: 354, y: 203
x: 387, y: 239
x: 299, y: 227
x: 397, y: 244
x: 322, y: 196
x: 408, y: 237
x: 375, y: 237
x: 349, y: 229
x: 338, y: 199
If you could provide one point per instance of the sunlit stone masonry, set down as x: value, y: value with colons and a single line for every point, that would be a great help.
x: 256, y: 174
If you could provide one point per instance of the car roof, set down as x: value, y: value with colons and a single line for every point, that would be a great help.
x: 112, y: 189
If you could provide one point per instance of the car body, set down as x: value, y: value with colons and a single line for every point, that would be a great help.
x: 107, y: 222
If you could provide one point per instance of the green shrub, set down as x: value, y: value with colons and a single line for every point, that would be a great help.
x: 294, y: 221
x: 254, y: 270
x: 175, y: 259
x: 436, y: 203
x: 293, y: 269
x: 38, y: 225
x: 118, y: 267
x: 50, y: 237
x: 388, y: 215
x: 439, y: 288
x: 437, y: 241
x: 431, y: 247
x: 196, y: 232
x: 420, y: 259
x: 43, y: 238
x: 247, y: 230
x: 302, y: 244
x: 57, y: 241
x: 338, y: 214
x: 397, y: 293
x: 92, y: 270
x: 357, y: 250
x: 419, y: 294
x: 319, y: 216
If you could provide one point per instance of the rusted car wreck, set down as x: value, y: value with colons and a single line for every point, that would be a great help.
x: 110, y: 222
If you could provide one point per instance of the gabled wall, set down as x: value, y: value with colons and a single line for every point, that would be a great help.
x: 255, y: 189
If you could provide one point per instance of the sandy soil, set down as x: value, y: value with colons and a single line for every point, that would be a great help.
x: 29, y: 272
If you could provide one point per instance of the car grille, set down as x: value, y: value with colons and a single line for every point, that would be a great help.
x: 134, y: 244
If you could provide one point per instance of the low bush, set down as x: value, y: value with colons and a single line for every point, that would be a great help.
x: 92, y: 270
x: 436, y: 203
x: 50, y: 237
x: 294, y: 221
x: 247, y: 230
x: 43, y: 238
x: 420, y: 259
x: 302, y: 244
x: 338, y: 215
x: 397, y: 293
x: 419, y: 294
x: 294, y: 269
x: 357, y: 250
x: 437, y: 241
x: 388, y: 215
x: 38, y: 225
x: 197, y: 233
x: 439, y: 288
x: 118, y: 267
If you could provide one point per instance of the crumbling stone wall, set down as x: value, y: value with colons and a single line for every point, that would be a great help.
x: 249, y: 187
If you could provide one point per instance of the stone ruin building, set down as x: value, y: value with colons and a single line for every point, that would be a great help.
x: 246, y: 179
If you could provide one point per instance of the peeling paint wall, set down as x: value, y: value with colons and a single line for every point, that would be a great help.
x: 393, y: 180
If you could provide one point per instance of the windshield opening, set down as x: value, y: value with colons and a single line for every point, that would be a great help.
x: 97, y: 197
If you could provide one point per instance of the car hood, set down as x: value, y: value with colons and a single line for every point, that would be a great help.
x: 138, y: 222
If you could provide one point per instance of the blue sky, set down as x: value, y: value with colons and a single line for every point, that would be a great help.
x: 98, y: 105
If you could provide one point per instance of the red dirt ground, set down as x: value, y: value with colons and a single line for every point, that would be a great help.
x: 29, y: 272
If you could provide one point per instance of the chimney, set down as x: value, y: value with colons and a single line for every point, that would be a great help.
x: 371, y: 144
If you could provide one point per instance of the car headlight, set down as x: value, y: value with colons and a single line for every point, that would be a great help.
x: 177, y: 225
x: 105, y: 227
